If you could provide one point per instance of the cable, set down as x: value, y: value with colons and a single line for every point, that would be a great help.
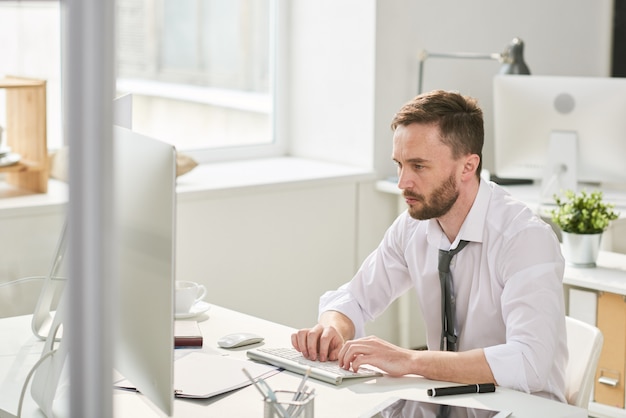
x: 28, y: 377
x: 30, y: 279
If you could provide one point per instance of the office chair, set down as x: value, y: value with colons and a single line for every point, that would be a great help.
x: 584, y: 343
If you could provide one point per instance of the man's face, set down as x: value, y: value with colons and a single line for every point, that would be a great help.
x: 427, y: 173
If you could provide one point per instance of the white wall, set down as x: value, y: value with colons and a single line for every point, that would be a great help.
x: 270, y: 253
x: 331, y: 92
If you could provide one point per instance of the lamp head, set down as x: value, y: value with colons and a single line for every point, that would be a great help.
x: 513, y: 59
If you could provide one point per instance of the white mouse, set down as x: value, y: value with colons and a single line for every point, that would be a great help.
x: 239, y: 339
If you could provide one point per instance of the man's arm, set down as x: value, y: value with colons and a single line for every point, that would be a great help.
x: 462, y: 367
x: 324, y: 340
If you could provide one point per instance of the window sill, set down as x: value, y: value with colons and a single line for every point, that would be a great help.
x: 15, y: 202
x: 213, y: 179
x: 223, y: 178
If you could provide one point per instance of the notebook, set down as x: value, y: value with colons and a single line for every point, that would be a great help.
x: 200, y: 375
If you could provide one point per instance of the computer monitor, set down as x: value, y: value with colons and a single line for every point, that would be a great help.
x: 561, y: 130
x: 144, y: 201
x: 53, y: 285
x: 145, y: 214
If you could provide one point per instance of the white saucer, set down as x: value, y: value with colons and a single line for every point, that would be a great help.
x: 198, y: 308
x: 9, y: 159
x: 4, y: 151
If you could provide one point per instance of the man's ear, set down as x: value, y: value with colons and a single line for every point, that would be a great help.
x: 472, y: 162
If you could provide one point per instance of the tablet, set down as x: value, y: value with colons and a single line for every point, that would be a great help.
x: 406, y: 408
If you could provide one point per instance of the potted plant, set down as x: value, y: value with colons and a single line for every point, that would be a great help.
x: 582, y: 217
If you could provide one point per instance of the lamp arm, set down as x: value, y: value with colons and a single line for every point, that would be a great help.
x: 461, y: 55
x: 512, y: 59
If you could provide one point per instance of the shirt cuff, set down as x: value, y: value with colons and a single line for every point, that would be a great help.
x: 341, y: 301
x: 508, y: 367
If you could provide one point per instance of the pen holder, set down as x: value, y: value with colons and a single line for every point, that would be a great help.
x: 289, y: 404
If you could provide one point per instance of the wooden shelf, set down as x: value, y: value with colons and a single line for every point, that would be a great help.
x: 25, y: 132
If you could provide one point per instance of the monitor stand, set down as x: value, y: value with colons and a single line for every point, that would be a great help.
x: 562, y: 167
x: 53, y: 287
x: 50, y: 378
x: 49, y: 374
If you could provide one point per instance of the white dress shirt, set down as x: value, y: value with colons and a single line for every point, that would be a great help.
x: 507, y: 282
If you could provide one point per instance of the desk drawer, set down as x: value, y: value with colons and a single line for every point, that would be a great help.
x: 609, y: 386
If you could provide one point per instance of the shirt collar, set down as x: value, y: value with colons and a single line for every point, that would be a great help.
x: 473, y: 225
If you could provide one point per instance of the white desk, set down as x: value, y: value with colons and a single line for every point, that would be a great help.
x: 608, y: 276
x: 349, y: 399
x: 529, y: 194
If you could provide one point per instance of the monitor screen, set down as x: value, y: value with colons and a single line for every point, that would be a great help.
x: 145, y: 205
x: 551, y: 126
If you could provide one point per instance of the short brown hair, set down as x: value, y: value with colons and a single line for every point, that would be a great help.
x: 458, y: 117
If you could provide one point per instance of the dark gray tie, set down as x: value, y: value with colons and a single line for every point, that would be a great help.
x: 448, y: 302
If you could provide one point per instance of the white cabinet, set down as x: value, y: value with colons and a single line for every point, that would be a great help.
x: 608, y: 282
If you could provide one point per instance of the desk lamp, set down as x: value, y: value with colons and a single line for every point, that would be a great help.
x: 512, y: 59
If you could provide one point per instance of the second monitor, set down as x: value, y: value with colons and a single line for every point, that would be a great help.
x: 561, y: 130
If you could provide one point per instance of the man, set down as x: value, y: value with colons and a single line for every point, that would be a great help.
x: 509, y: 320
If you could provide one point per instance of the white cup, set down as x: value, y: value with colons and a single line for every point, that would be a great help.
x: 187, y: 294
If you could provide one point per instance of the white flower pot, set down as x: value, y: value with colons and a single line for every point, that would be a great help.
x: 581, y: 250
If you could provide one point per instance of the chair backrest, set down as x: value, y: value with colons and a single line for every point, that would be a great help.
x: 584, y: 343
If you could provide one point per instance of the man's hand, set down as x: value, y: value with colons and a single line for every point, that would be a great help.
x: 394, y: 360
x: 318, y: 343
x: 323, y: 341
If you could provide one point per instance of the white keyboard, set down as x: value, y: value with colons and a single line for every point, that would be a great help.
x: 292, y: 360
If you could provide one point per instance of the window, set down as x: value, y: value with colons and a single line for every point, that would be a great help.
x: 200, y: 72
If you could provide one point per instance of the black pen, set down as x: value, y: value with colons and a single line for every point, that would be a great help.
x: 458, y: 390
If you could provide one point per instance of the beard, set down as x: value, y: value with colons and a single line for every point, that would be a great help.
x: 440, y: 202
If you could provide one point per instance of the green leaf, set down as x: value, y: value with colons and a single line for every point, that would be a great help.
x: 583, y: 213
